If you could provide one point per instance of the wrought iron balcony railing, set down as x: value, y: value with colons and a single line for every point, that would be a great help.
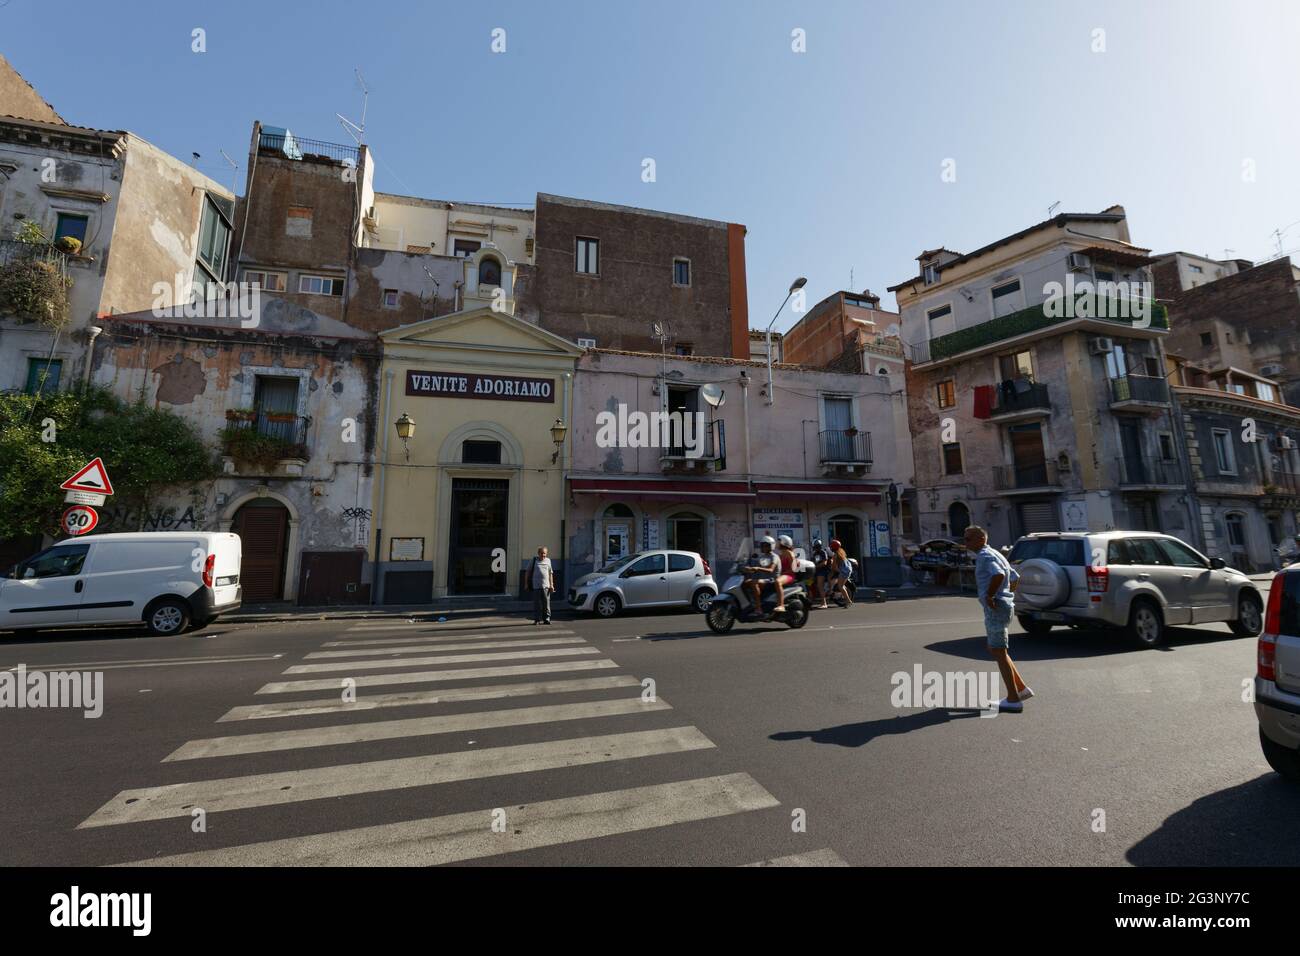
x: 1020, y: 396
x: 709, y: 445
x: 1139, y: 388
x: 1137, y: 471
x: 1043, y: 474
x: 845, y: 446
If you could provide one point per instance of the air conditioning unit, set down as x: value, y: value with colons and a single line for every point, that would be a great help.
x: 1101, y: 345
x: 1286, y: 443
x: 1268, y: 371
x: 1078, y: 262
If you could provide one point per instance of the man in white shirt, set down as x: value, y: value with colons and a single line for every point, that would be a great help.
x: 542, y: 580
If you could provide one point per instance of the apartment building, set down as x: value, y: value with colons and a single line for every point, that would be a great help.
x: 1036, y: 385
x: 619, y: 277
x: 1248, y: 318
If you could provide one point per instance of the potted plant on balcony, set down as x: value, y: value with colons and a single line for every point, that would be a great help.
x: 241, y: 414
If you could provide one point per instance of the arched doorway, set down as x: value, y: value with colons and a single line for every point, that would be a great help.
x: 958, y: 520
x: 263, y: 528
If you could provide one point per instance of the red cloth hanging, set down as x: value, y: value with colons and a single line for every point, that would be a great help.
x: 983, y: 401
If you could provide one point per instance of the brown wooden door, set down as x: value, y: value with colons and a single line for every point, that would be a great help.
x: 332, y: 577
x: 263, y: 532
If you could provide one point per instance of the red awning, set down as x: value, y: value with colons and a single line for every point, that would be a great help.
x: 649, y: 487
x: 823, y: 489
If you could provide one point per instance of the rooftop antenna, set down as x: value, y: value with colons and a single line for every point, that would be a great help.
x: 357, y: 132
x: 1052, y: 208
x: 436, y: 287
x: 660, y: 332
x: 234, y: 167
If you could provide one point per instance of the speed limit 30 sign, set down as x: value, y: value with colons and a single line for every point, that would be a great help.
x: 80, y: 519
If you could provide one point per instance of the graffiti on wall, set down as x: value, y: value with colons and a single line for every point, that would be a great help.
x: 123, y: 518
x: 360, y: 518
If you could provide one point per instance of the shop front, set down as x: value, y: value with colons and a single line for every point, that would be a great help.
x: 855, y: 514
x: 474, y: 409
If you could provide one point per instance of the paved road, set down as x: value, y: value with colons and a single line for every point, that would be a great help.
x: 548, y: 734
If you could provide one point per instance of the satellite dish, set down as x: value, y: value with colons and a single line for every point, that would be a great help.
x: 892, y: 330
x: 714, y: 394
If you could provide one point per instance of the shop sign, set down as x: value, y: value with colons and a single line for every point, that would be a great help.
x: 506, y: 388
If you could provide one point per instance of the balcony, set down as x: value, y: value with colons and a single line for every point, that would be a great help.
x: 1037, y: 476
x: 1282, y: 484
x: 844, y: 451
x: 282, y: 143
x: 1100, y: 314
x: 1139, y: 393
x: 1136, y: 473
x: 34, y: 282
x: 1018, y: 400
x: 257, y: 441
x: 707, y: 453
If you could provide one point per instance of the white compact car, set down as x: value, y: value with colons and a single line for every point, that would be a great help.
x: 166, y: 580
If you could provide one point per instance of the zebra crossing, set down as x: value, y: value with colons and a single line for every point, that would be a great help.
x: 560, y: 680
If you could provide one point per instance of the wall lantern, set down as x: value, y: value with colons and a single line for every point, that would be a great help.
x: 558, y: 431
x: 405, y: 429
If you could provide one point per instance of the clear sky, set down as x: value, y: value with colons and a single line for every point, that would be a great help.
x: 832, y: 157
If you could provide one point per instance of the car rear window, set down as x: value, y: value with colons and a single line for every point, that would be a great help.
x: 1290, y: 620
x: 1067, y: 552
x: 681, y: 562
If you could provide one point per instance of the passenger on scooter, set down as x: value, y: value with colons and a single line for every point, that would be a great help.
x: 822, y: 569
x: 763, y: 573
x: 787, y: 557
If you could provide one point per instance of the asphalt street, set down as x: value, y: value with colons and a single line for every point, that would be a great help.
x: 490, y: 741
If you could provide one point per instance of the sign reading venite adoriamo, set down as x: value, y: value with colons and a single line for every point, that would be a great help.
x: 508, y: 388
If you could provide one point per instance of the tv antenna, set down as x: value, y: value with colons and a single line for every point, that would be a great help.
x: 234, y: 168
x: 357, y: 132
x: 1052, y: 208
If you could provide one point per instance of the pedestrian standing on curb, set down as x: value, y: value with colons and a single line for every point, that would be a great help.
x: 995, y: 584
x: 542, y: 581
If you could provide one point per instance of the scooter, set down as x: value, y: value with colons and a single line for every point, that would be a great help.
x: 734, y: 603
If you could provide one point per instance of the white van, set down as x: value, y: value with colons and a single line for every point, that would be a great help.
x: 167, y: 580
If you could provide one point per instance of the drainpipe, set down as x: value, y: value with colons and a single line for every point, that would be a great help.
x: 566, y: 459
x: 383, y: 474
x: 93, y: 331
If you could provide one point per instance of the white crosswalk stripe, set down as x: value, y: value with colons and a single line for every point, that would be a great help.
x: 469, y: 836
x: 426, y: 648
x: 441, y: 638
x: 412, y: 727
x: 271, y: 789
x: 435, y: 625
x: 334, y: 705
x: 812, y: 858
x: 435, y: 677
x: 447, y: 659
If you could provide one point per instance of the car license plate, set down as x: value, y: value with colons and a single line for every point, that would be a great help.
x: 1048, y: 616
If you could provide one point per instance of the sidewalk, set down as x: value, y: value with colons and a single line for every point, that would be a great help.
x: 266, y: 613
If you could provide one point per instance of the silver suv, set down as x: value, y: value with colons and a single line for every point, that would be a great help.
x: 646, y: 579
x: 1277, y: 677
x: 1131, y: 579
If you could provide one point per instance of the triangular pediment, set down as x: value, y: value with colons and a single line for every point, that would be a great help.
x: 482, y: 328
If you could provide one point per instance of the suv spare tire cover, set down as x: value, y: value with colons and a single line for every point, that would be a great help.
x: 1043, y: 584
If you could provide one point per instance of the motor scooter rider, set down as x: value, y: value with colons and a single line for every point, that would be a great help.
x: 762, y: 572
x: 786, y: 556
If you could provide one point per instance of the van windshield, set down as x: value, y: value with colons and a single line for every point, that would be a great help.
x: 1064, y: 551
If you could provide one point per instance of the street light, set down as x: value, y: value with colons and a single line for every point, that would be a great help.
x: 558, y: 431
x: 797, y: 284
x: 405, y: 429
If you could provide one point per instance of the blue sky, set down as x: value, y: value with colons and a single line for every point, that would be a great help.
x: 831, y: 157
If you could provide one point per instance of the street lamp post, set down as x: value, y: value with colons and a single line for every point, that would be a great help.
x: 405, y: 430
x: 558, y: 431
x: 797, y: 284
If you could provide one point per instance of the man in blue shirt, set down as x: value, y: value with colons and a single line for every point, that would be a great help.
x: 995, y: 582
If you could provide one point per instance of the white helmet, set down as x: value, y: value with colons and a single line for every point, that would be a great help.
x: 786, y: 541
x: 767, y: 540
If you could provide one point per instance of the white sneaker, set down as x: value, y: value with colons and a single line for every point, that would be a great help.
x: 1027, y: 693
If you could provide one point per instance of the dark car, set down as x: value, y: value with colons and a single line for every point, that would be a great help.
x: 940, y: 553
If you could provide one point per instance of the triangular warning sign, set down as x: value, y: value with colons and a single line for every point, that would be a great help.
x: 92, y: 478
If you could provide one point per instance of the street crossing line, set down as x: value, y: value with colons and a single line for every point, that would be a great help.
x: 435, y: 677
x: 431, y: 639
x: 434, y: 625
x: 470, y: 836
x: 412, y: 727
x: 825, y: 857
x: 270, y: 789
x: 334, y: 705
x: 426, y: 648
x: 144, y: 662
x: 447, y: 659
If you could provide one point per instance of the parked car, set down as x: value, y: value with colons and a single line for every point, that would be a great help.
x: 646, y: 579
x: 167, y: 580
x: 1137, y: 580
x: 939, y: 553
x: 1277, y: 676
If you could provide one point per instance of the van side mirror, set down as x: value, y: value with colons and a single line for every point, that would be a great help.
x: 1217, y: 564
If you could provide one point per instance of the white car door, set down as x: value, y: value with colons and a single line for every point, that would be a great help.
x: 47, y: 589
